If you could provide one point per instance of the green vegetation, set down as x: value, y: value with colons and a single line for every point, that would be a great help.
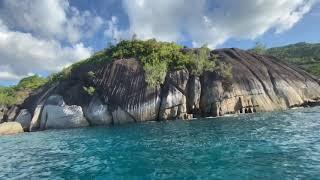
x: 64, y: 74
x: 156, y: 57
x: 16, y: 94
x: 225, y: 71
x: 31, y: 83
x: 95, y: 59
x: 199, y: 61
x: 259, y: 48
x: 91, y: 74
x: 303, y: 55
x: 160, y: 57
x: 89, y: 90
x: 155, y: 72
x: 7, y: 96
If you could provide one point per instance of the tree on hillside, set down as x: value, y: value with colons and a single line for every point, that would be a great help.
x: 201, y: 61
x: 259, y: 48
x: 134, y: 37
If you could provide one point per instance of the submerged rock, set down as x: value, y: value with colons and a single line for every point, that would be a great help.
x: 8, y: 128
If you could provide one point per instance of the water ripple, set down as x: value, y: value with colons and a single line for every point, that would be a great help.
x: 262, y: 146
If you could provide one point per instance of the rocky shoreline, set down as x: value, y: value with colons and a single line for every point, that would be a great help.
x: 258, y: 84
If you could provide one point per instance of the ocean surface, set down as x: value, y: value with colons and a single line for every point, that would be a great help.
x: 280, y: 145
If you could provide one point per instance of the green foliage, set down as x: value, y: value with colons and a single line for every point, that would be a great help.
x: 143, y: 50
x: 259, y: 48
x: 155, y: 72
x: 160, y: 57
x: 225, y: 71
x: 156, y: 57
x: 314, y: 69
x: 304, y: 55
x: 95, y: 59
x: 91, y: 74
x: 134, y: 37
x: 64, y: 74
x: 200, y: 61
x: 89, y: 90
x: 55, y: 77
x: 14, y: 94
x: 7, y: 95
x: 31, y: 83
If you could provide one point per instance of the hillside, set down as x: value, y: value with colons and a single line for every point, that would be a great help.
x: 303, y: 55
x: 16, y: 94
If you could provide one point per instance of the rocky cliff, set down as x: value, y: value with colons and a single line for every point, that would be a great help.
x: 121, y: 95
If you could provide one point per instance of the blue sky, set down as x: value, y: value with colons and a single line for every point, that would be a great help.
x: 41, y: 37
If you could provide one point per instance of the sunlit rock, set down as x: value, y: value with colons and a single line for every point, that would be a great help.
x: 56, y: 117
x: 98, y: 113
x: 24, y: 118
x: 8, y: 128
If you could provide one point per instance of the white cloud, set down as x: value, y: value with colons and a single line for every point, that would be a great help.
x: 6, y: 75
x: 46, y: 35
x: 212, y: 22
x: 42, y: 36
x: 22, y: 54
x: 49, y: 19
x: 113, y: 32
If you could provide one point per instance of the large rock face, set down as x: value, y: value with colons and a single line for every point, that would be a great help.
x: 98, y: 113
x: 35, y: 121
x: 193, y: 94
x: 57, y: 115
x: 120, y: 116
x: 122, y: 85
x: 258, y: 83
x: 11, y: 113
x: 3, y: 111
x: 174, y: 102
x: 9, y: 128
x: 24, y: 118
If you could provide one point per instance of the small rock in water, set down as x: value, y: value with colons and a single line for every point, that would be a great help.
x: 9, y: 128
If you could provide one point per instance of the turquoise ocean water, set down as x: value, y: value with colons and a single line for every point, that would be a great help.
x: 281, y: 145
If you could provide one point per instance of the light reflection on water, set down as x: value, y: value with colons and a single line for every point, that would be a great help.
x: 282, y: 145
